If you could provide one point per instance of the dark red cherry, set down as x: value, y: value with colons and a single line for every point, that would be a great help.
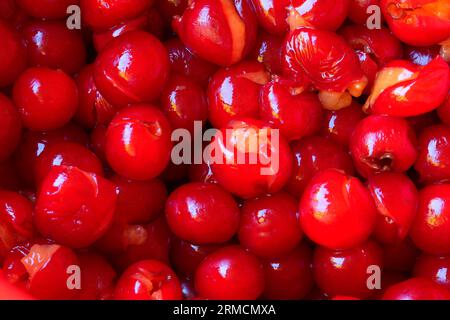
x: 400, y: 257
x: 417, y: 289
x: 97, y: 277
x: 13, y: 56
x: 421, y: 55
x: 47, y: 9
x: 169, y: 8
x: 10, y: 127
x: 267, y: 51
x: 337, y: 211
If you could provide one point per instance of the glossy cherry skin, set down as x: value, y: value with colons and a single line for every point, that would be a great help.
x: 268, y: 174
x: 433, y: 268
x: 132, y: 68
x: 416, y: 22
x: 289, y: 277
x: 234, y: 92
x: 269, y: 227
x: 383, y: 143
x: 430, y: 230
x: 202, y: 213
x: 66, y: 154
x: 417, y: 289
x: 47, y: 9
x: 339, y: 125
x: 337, y: 211
x: 433, y: 162
x: 13, y: 56
x: 421, y: 55
x: 51, y: 44
x: 183, y: 101
x: 186, y: 257
x: 102, y: 15
x: 16, y: 221
x: 346, y: 272
x: 47, y: 265
x: 139, y: 201
x: 148, y: 280
x: 396, y: 198
x: 267, y: 51
x: 93, y: 108
x: 400, y: 257
x: 358, y: 10
x: 296, y: 114
x: 46, y: 99
x: 74, y: 207
x: 97, y: 277
x: 313, y: 155
x: 404, y: 90
x: 222, y: 32
x: 183, y: 61
x: 230, y: 273
x: 131, y: 134
x: 10, y: 127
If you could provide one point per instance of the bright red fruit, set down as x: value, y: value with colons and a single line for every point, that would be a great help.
x: 337, y: 211
x: 383, y: 143
x: 417, y: 289
x: 230, y: 273
x: 433, y: 268
x: 10, y: 127
x: 46, y: 99
x: 74, y: 207
x: 347, y: 272
x: 220, y: 31
x: 47, y: 9
x: 358, y: 10
x: 138, y: 142
x: 148, y: 280
x: 202, y: 213
x: 133, y: 68
x: 431, y: 228
x: 13, y: 56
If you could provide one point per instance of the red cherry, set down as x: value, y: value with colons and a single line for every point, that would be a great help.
x: 347, y: 272
x: 66, y: 154
x: 47, y: 267
x: 47, y: 9
x: 13, y: 56
x: 383, y: 143
x: 421, y: 55
x: 444, y: 111
x: 400, y: 257
x: 148, y: 280
x: 133, y: 68
x: 230, y: 273
x: 192, y: 213
x: 98, y: 141
x: 269, y: 226
x: 416, y: 22
x: 169, y: 8
x: 289, y: 277
x: 10, y: 127
x: 51, y: 44
x: 102, y: 15
x: 296, y: 114
x: 337, y: 211
x: 183, y: 101
x: 417, y: 289
x: 251, y: 139
x: 222, y: 31
x: 430, y: 230
x: 433, y: 162
x: 13, y: 268
x: 46, y: 99
x: 396, y: 198
x: 131, y: 134
x: 433, y: 268
x: 313, y: 155
x: 74, y: 207
x: 358, y: 10
x: 97, y: 277
x: 139, y: 201
x: 234, y: 92
x: 267, y: 51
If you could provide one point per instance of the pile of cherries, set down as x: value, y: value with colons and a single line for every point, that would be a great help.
x: 361, y: 185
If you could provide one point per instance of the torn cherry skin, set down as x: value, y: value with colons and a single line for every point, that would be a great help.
x: 418, y: 22
x: 47, y: 9
x: 74, y: 207
x: 346, y: 272
x: 13, y: 56
x: 148, y: 280
x: 268, y: 174
x: 220, y: 31
x: 358, y: 10
x: 289, y: 277
x: 296, y: 114
x: 10, y: 127
x: 417, y: 289
x: 430, y: 230
x: 396, y: 198
x: 337, y: 211
x: 134, y: 131
x: 133, y: 68
x: 230, y: 273
x: 383, y: 143
x: 313, y: 155
x: 234, y: 92
x: 404, y: 90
